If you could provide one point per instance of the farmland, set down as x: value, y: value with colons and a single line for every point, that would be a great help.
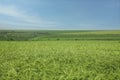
x: 59, y: 55
x: 47, y: 35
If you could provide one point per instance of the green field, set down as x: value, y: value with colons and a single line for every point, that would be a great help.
x: 47, y: 35
x: 60, y: 55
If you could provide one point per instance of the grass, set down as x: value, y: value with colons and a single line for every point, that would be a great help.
x: 60, y: 60
x: 60, y: 55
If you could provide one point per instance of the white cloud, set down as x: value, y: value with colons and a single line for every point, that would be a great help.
x: 22, y: 18
x: 17, y: 13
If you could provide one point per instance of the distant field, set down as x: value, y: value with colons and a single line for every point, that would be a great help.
x: 59, y: 35
x: 60, y: 55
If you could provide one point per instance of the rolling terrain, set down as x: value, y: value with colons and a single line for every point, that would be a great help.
x: 60, y: 55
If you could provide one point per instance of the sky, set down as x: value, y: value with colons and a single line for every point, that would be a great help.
x: 60, y: 14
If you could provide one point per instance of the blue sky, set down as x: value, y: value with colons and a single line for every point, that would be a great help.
x: 60, y: 14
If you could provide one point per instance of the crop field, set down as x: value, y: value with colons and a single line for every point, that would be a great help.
x: 53, y: 35
x: 60, y: 55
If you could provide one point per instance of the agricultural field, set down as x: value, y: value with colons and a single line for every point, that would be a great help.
x: 60, y: 55
x: 50, y: 35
